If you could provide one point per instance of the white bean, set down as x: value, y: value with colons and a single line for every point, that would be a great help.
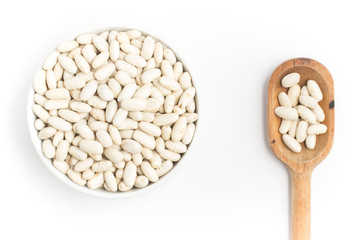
x: 314, y: 90
x: 166, y: 166
x: 143, y: 92
x: 96, y: 181
x: 48, y: 148
x: 287, y: 113
x: 40, y: 99
x: 62, y: 166
x: 177, y: 147
x: 170, y: 83
x: 75, y: 177
x: 147, y: 153
x: 97, y: 102
x: 51, y: 60
x: 284, y: 100
x: 285, y: 126
x: 306, y: 114
x: 169, y: 103
x: 100, y: 60
x: 102, y: 166
x: 178, y: 129
x: 56, y: 104
x: 114, y: 50
x: 129, y: 174
x: 67, y: 46
x: 68, y: 64
x: 80, y: 107
x: 191, y: 117
x: 123, y: 78
x: 60, y: 124
x: 304, y: 91
x: 126, y: 67
x: 160, y: 144
x: 292, y: 130
x: 51, y: 79
x: 308, y: 101
x: 39, y: 124
x: 46, y: 133
x: 166, y: 119
x: 135, y: 60
x: 129, y: 49
x: 291, y: 143
x: 149, y: 171
x: 170, y: 56
x: 186, y: 97
x: 290, y: 80
x: 294, y: 94
x: 110, y: 181
x: 85, y: 38
x: 115, y: 135
x: 122, y: 38
x: 89, y: 53
x: 100, y: 43
x: 144, y: 139
x: 85, y: 132
x: 41, y: 113
x: 131, y: 146
x: 69, y: 115
x: 113, y: 155
x: 136, y: 116
x: 87, y: 174
x: 127, y: 92
x: 77, y: 153
x: 317, y: 129
x: 141, y: 181
x: 150, y: 75
x: 166, y: 132
x: 185, y: 80
x: 62, y: 150
x: 123, y: 187
x: 319, y: 113
x: 39, y: 83
x: 105, y: 72
x: 148, y: 48
x: 119, y: 117
x: 82, y: 63
x: 150, y: 128
x: 310, y: 141
x: 301, y: 131
x: 58, y: 93
x: 158, y: 53
x: 81, y: 166
x: 105, y: 93
x: 170, y: 155
x: 115, y: 87
x: 74, y: 83
x: 98, y: 125
x: 91, y: 146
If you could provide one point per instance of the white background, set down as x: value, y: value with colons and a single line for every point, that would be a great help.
x: 232, y: 186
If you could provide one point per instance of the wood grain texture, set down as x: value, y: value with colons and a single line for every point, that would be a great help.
x: 301, y: 164
x: 301, y: 205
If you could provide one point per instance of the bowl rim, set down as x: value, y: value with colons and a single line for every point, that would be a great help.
x: 102, y: 193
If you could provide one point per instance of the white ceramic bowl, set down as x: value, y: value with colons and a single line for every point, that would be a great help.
x: 100, y: 192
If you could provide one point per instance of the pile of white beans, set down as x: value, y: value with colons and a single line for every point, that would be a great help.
x: 114, y: 110
x: 300, y: 122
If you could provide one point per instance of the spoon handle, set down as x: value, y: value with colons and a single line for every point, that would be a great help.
x: 301, y: 205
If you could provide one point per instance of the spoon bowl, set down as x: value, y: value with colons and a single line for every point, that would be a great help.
x: 301, y: 164
x: 309, y: 70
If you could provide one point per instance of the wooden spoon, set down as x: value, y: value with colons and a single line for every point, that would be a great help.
x: 301, y: 164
